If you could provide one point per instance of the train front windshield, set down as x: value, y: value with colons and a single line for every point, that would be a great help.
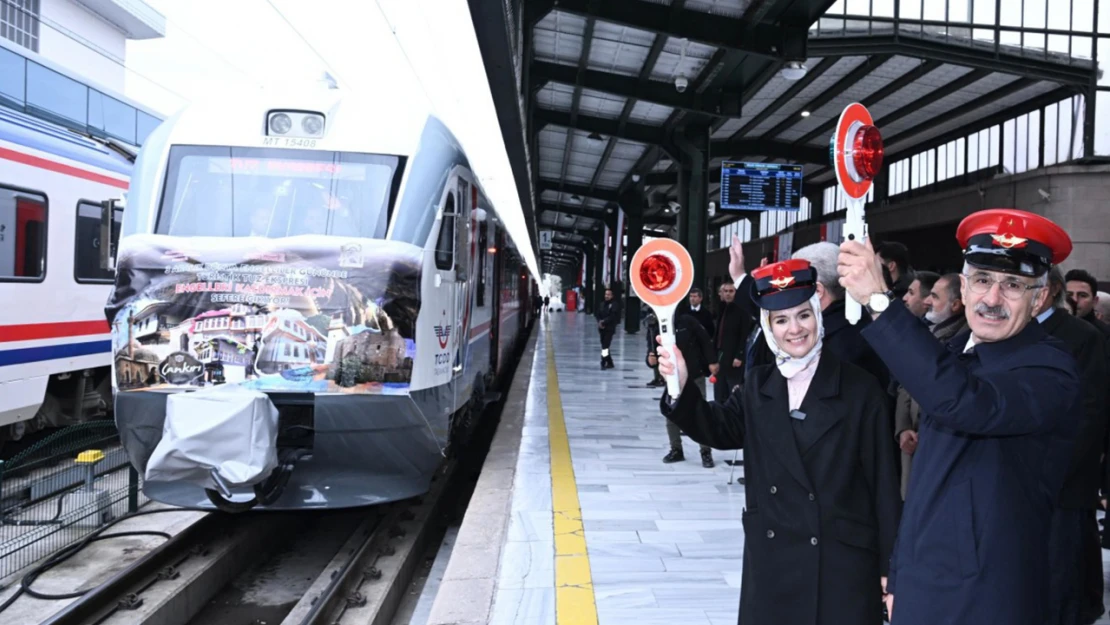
x: 240, y: 192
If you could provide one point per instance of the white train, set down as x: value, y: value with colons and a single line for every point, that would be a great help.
x: 337, y: 254
x: 54, y: 342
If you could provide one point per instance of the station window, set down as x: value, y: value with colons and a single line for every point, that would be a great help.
x: 86, y: 253
x: 64, y: 98
x: 445, y: 243
x: 19, y: 22
x: 22, y: 235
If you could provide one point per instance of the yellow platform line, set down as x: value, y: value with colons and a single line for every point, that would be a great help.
x: 574, y: 587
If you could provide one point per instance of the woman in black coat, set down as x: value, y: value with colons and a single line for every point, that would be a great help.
x: 822, y: 493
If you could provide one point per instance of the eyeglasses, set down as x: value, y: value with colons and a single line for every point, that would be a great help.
x: 1011, y: 288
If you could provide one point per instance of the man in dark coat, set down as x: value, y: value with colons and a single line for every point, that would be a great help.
x: 1074, y: 536
x: 1083, y: 288
x: 608, y: 318
x: 691, y: 339
x: 733, y: 326
x: 895, y: 259
x: 695, y: 305
x: 1000, y: 412
x: 946, y: 312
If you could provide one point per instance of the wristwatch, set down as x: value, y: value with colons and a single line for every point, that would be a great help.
x: 879, y: 302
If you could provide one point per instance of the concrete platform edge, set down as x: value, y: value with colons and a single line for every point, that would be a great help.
x: 469, y: 584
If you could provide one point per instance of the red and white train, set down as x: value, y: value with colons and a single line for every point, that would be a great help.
x: 54, y: 342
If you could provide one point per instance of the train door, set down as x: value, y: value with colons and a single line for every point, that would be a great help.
x: 446, y: 287
x: 494, y: 295
x: 464, y: 296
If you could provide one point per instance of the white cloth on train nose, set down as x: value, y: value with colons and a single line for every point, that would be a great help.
x: 226, y: 429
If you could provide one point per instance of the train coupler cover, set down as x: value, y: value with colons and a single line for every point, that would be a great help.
x: 220, y: 437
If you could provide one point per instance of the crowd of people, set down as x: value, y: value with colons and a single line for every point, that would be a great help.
x: 941, y: 460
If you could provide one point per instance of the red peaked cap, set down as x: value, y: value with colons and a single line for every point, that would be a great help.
x: 784, y: 284
x: 1012, y: 241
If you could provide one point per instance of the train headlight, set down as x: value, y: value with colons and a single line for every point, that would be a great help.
x: 312, y: 124
x: 296, y: 124
x: 280, y: 123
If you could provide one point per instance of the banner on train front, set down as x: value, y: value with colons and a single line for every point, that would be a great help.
x: 297, y: 314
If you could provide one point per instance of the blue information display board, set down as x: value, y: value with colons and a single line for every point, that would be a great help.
x: 760, y: 186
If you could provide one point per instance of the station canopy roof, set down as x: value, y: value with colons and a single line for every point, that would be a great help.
x: 602, y: 78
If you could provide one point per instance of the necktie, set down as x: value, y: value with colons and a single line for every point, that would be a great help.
x: 721, y: 327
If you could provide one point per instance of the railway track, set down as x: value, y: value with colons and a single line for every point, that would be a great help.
x: 296, y: 568
x: 287, y: 568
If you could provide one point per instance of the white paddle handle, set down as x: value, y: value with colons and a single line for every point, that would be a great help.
x: 855, y: 229
x: 667, y: 333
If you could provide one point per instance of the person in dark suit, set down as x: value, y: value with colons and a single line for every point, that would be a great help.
x: 695, y: 306
x: 608, y: 318
x: 1074, y: 537
x: 822, y: 500
x: 691, y: 338
x: 733, y: 325
x: 1000, y: 413
x: 1083, y: 288
x: 946, y: 313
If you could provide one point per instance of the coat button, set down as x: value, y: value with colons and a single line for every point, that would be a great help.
x: 770, y: 533
x: 812, y: 497
x: 774, y: 490
x: 813, y: 541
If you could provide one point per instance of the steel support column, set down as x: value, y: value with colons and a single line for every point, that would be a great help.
x: 1089, y: 99
x: 693, y: 189
x: 600, y: 251
x: 633, y: 203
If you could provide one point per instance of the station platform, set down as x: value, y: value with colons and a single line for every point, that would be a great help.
x: 595, y: 528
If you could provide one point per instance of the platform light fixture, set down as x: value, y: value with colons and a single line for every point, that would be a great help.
x: 794, y: 70
x: 805, y: 113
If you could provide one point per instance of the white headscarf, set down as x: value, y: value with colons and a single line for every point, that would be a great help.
x: 788, y: 365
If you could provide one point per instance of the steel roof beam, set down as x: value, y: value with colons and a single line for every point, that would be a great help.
x: 733, y: 148
x: 902, y: 82
x: 985, y: 122
x: 591, y: 235
x: 795, y: 89
x: 653, y: 135
x: 583, y: 63
x: 981, y: 58
x: 982, y: 102
x: 770, y: 40
x: 715, y: 104
x: 713, y: 75
x: 599, y: 215
x: 545, y: 184
x: 645, y: 73
x: 869, y: 65
x: 640, y: 133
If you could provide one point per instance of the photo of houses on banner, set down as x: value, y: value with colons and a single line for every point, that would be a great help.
x: 265, y: 322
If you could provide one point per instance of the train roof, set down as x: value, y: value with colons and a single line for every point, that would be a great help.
x: 43, y: 136
x: 381, y: 124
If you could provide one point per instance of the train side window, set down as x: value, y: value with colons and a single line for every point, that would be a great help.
x: 445, y: 243
x: 86, y: 254
x: 22, y: 235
